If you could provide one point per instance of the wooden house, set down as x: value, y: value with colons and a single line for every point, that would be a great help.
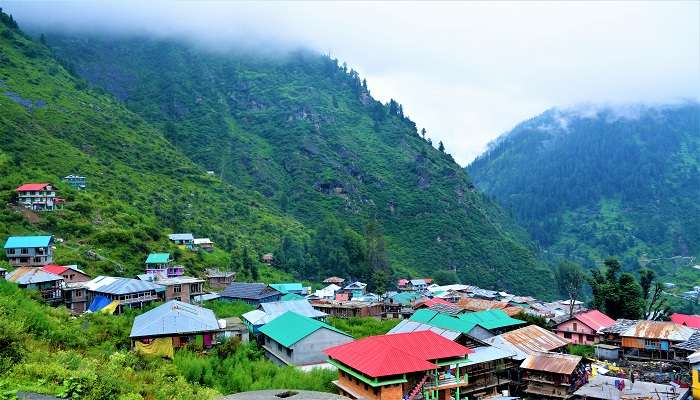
x: 29, y: 251
x: 400, y: 366
x: 49, y: 285
x: 348, y: 309
x: 131, y: 293
x: 182, y: 239
x: 552, y: 375
x: 528, y: 340
x: 293, y: 339
x: 491, y: 371
x: 653, y: 340
x: 204, y: 244
x: 38, y: 197
x: 583, y: 327
x: 251, y: 293
x: 218, y: 279
x: 75, y: 297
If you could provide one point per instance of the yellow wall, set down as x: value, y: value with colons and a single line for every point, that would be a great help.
x: 696, y: 384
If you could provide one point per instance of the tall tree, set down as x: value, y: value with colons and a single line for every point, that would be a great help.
x: 441, y: 147
x: 655, y: 303
x: 619, y: 296
x: 570, y: 280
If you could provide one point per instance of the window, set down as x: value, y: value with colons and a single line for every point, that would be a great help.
x: 177, y: 288
x: 24, y: 251
x: 590, y: 338
x: 575, y: 327
x: 10, y: 251
x: 567, y: 335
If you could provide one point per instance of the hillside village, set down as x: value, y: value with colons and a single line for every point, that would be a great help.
x: 454, y: 341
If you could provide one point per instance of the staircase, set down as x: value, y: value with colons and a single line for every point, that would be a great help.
x: 417, y: 389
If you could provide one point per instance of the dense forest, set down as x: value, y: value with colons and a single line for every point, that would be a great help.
x: 594, y: 182
x: 372, y: 198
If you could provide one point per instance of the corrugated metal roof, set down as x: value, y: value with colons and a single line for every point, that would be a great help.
x: 356, y: 285
x: 174, y: 317
x: 181, y: 236
x: 551, y: 362
x: 449, y: 308
x: 603, y: 387
x: 255, y: 317
x: 119, y: 286
x: 287, y: 287
x: 595, y: 319
x: 32, y: 187
x: 527, y: 340
x: 251, y: 291
x: 491, y: 319
x: 302, y: 307
x: 406, y: 326
x: 18, y: 242
x: 620, y: 326
x: 31, y: 275
x: 292, y: 296
x: 484, y: 354
x: 692, y: 321
x: 405, y: 297
x: 203, y: 241
x: 692, y: 344
x: 659, y: 330
x: 396, y: 354
x: 216, y: 273
x: 444, y: 321
x: 291, y: 327
x: 472, y: 304
x: 158, y: 258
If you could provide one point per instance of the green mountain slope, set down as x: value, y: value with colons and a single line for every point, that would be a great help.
x: 140, y: 186
x: 592, y: 183
x: 306, y: 134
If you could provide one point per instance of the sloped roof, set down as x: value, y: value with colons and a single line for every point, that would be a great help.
x: 416, y: 282
x: 174, y: 317
x: 593, y: 319
x: 692, y: 321
x: 287, y: 287
x: 407, y: 325
x: 291, y: 327
x: 692, y: 344
x: 251, y: 291
x: 441, y: 320
x: 302, y: 307
x: 17, y: 242
x: 491, y: 319
x: 396, y: 354
x: 619, y: 326
x: 659, y: 330
x: 334, y: 279
x: 181, y: 236
x: 484, y: 354
x: 31, y: 275
x: 603, y: 387
x: 527, y: 340
x: 472, y: 304
x: 551, y: 362
x: 405, y: 297
x: 59, y: 269
x: 292, y: 296
x: 431, y: 302
x: 158, y: 258
x: 31, y: 187
x: 216, y: 273
x: 356, y: 285
x: 119, y: 286
x: 255, y: 317
x: 203, y: 241
x: 448, y: 308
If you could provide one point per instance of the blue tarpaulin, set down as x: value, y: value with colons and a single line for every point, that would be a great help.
x: 99, y: 303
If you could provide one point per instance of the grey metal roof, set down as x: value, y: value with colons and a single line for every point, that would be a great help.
x: 174, y: 317
x: 489, y: 353
x: 255, y: 317
x: 253, y: 291
x: 302, y: 307
x: 181, y: 236
x: 117, y: 285
x: 451, y: 309
x: 416, y: 282
x: 603, y: 387
x: 216, y: 273
x: 31, y: 275
x: 206, y: 297
x: 356, y: 285
x: 692, y: 344
x: 620, y: 326
x: 406, y: 326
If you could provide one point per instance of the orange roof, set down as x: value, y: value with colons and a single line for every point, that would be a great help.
x: 472, y: 304
x: 551, y: 362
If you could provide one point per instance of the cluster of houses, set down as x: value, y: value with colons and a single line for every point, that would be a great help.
x: 451, y: 341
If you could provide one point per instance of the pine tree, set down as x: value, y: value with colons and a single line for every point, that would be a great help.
x: 441, y: 147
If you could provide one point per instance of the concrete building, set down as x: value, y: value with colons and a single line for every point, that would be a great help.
x: 77, y: 181
x: 49, y: 285
x: 292, y: 339
x: 38, y: 197
x: 583, y: 327
x: 29, y: 251
x: 180, y: 288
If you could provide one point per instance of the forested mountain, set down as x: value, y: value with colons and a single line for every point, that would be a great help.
x: 306, y: 164
x: 592, y: 182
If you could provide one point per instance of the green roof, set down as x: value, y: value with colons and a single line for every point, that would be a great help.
x: 18, y: 242
x: 490, y: 319
x: 442, y: 320
x: 404, y: 297
x: 158, y: 258
x: 291, y: 296
x: 291, y: 327
x: 287, y: 287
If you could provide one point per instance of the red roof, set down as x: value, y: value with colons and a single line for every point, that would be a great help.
x: 54, y: 269
x: 342, y: 296
x: 396, y: 354
x: 31, y: 187
x: 595, y: 319
x: 692, y: 321
x: 433, y: 301
x: 403, y: 282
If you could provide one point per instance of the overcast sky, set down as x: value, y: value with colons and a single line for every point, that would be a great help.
x: 466, y: 71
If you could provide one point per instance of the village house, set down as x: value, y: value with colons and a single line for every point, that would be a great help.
x: 284, y: 288
x: 334, y: 280
x: 49, y: 285
x: 491, y: 371
x: 251, y: 293
x: 76, y: 181
x: 528, y: 340
x: 268, y: 258
x: 692, y: 321
x: 426, y: 302
x: 182, y: 239
x: 180, y: 288
x: 293, y: 339
x: 218, y: 279
x: 205, y: 244
x: 552, y: 375
x: 29, y: 251
x: 266, y: 312
x: 131, y: 293
x: 653, y: 340
x: 348, y: 309
x: 601, y: 387
x: 173, y: 325
x: 610, y: 336
x: 161, y: 263
x: 355, y: 289
x: 233, y: 328
x: 70, y: 273
x: 476, y: 304
x: 38, y: 197
x: 583, y: 327
x: 327, y: 293
x: 683, y: 350
x: 453, y: 323
x: 75, y: 297
x: 399, y: 366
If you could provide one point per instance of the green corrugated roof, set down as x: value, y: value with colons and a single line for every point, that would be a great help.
x: 423, y: 315
x: 291, y: 327
x: 442, y: 320
x: 158, y: 258
x: 490, y: 319
x: 405, y: 297
x: 291, y: 296
x: 287, y: 287
x: 17, y: 242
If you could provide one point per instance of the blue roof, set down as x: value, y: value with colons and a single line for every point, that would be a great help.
x: 287, y: 287
x: 158, y: 258
x: 16, y: 242
x: 174, y: 317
